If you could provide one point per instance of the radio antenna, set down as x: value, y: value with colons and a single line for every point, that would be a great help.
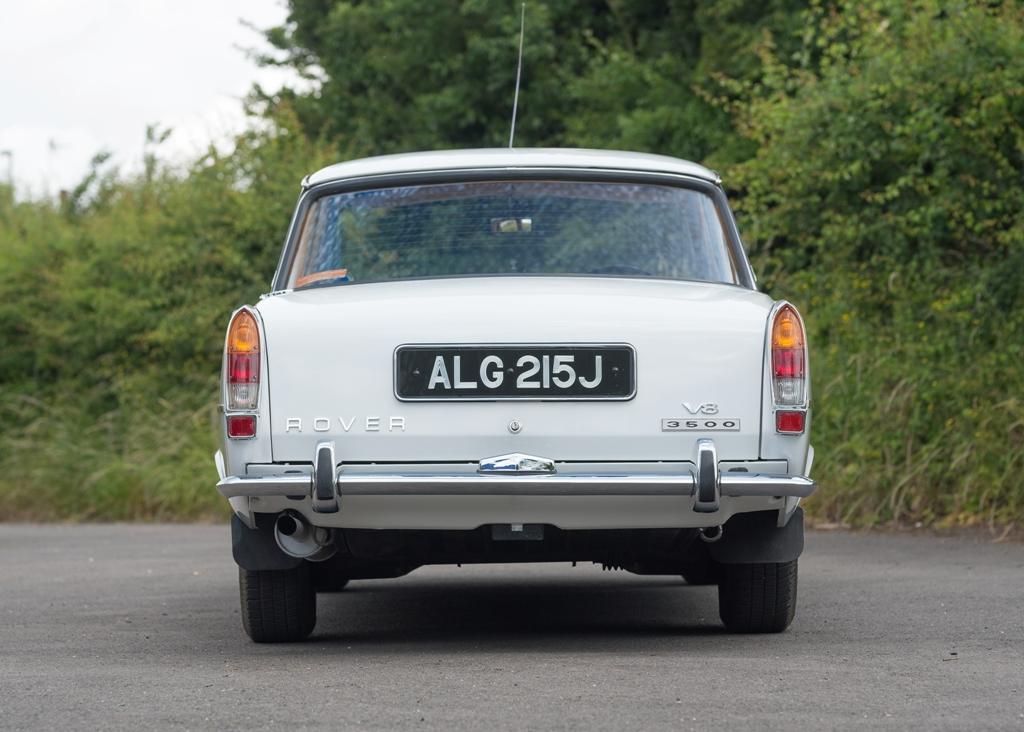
x: 519, y: 74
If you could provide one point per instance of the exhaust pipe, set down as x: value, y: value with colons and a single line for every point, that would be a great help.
x: 712, y: 534
x: 297, y: 538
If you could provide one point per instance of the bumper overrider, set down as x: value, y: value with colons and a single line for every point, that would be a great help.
x: 704, y: 481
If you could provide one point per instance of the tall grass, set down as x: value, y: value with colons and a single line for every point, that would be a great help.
x: 918, y: 414
x: 151, y: 461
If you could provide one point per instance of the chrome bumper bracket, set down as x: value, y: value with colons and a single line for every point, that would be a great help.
x: 325, y: 479
x: 706, y: 492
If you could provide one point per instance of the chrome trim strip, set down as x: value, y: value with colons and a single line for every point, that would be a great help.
x: 394, y: 373
x: 368, y: 484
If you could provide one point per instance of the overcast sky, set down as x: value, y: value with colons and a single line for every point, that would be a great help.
x: 79, y: 77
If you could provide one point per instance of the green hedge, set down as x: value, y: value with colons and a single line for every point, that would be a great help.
x: 887, y: 199
x: 114, y: 304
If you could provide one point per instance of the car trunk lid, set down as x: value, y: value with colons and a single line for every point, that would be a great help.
x: 699, y: 354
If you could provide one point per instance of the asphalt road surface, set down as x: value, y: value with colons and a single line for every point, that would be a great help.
x: 135, y: 627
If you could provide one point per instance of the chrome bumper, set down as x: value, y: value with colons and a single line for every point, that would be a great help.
x: 440, y: 484
x: 705, y: 483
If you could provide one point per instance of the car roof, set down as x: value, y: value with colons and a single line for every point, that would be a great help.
x: 505, y: 158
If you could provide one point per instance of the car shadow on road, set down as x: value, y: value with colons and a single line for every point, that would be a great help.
x: 530, y: 614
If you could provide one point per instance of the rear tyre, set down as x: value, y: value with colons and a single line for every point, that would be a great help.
x: 335, y: 585
x: 278, y: 606
x: 702, y: 574
x: 757, y: 598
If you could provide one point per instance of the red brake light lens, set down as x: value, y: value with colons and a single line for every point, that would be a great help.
x: 243, y: 362
x: 789, y: 422
x: 242, y: 425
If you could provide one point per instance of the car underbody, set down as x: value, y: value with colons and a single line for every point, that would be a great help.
x: 378, y: 554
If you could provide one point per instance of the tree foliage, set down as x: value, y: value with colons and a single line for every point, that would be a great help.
x: 399, y: 75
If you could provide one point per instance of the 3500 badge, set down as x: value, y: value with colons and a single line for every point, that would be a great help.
x: 700, y: 424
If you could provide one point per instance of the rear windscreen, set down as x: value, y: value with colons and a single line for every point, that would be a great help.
x: 530, y: 227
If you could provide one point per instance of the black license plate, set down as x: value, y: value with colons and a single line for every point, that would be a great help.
x: 583, y: 372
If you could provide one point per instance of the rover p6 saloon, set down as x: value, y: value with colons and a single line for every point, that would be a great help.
x: 514, y: 356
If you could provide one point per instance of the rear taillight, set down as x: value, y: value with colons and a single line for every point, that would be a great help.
x: 243, y: 362
x: 241, y: 425
x: 789, y: 369
x: 791, y: 423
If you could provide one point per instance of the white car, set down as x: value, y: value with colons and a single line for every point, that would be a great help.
x: 514, y: 356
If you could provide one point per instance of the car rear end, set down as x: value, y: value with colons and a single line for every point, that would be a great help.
x: 517, y: 364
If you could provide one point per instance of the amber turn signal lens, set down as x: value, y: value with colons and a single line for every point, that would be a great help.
x: 244, y: 336
x: 787, y: 332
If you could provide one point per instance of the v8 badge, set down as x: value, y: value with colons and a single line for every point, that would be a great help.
x: 706, y: 408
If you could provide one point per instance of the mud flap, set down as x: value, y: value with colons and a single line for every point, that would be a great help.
x: 255, y: 549
x: 755, y: 537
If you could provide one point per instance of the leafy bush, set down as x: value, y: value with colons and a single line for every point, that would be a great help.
x: 887, y: 197
x: 115, y: 303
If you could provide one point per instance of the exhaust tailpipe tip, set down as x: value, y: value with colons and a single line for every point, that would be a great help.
x: 297, y: 538
x: 712, y: 534
x: 287, y: 525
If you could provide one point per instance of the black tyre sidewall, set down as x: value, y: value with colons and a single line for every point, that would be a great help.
x: 278, y: 606
x: 758, y: 598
